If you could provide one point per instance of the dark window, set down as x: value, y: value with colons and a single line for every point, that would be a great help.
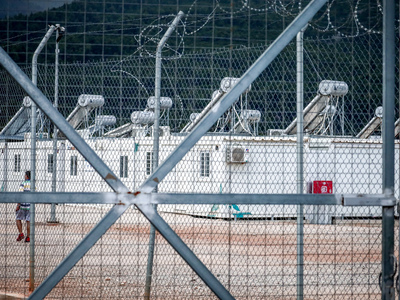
x: 149, y: 163
x: 74, y: 165
x: 123, y: 166
x: 205, y: 164
x: 17, y: 163
x: 50, y: 162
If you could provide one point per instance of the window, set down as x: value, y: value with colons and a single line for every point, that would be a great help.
x: 74, y: 165
x: 123, y: 166
x: 50, y: 163
x: 17, y: 163
x: 149, y: 163
x: 205, y: 164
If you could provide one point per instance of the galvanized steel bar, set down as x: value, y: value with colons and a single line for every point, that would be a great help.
x: 55, y: 131
x: 388, y: 291
x: 300, y: 164
x: 398, y: 207
x: 171, y: 198
x: 33, y: 160
x: 37, y: 52
x: 266, y: 199
x: 62, y: 198
x: 59, y: 121
x: 388, y: 97
x: 369, y: 200
x: 156, y: 141
x: 32, y: 249
x: 32, y: 208
x: 228, y: 99
x: 166, y: 198
x: 183, y: 250
x: 157, y: 90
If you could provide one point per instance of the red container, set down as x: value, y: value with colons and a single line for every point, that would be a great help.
x: 322, y: 187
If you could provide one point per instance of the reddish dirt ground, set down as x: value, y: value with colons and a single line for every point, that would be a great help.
x: 254, y: 259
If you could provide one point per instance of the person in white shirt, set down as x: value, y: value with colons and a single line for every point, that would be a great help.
x: 23, y: 210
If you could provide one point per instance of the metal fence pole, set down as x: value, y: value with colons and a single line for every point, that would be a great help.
x: 156, y: 141
x: 33, y: 161
x: 398, y: 204
x: 55, y: 133
x: 388, y: 260
x: 37, y: 52
x: 32, y: 208
x: 300, y: 163
x: 5, y: 170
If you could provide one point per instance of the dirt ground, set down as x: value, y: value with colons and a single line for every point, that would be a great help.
x: 253, y: 259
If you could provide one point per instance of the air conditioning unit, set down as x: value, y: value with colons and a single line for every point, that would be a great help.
x: 236, y: 154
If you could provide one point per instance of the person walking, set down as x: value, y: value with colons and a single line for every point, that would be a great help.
x: 22, y: 210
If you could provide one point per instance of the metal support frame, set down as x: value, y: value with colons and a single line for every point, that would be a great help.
x: 300, y: 163
x: 156, y: 141
x: 211, y: 199
x: 33, y: 160
x: 55, y: 131
x: 105, y: 172
x: 388, y: 70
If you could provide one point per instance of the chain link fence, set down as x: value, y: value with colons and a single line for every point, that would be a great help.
x: 251, y: 258
x: 251, y: 249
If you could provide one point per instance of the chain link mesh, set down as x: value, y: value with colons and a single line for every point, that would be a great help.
x: 251, y: 249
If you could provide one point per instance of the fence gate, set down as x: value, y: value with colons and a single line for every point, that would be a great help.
x: 262, y: 245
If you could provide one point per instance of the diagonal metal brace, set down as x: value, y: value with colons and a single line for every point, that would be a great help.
x: 184, y: 251
x: 174, y: 198
x: 104, y: 171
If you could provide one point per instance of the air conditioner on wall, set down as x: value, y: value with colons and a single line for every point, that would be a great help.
x: 236, y: 154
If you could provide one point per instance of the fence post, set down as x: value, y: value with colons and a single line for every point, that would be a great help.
x: 388, y: 259
x: 156, y: 139
x: 55, y: 131
x: 300, y: 163
x: 33, y: 160
x: 5, y: 168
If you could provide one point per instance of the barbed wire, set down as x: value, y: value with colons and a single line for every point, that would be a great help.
x: 155, y: 39
x: 206, y: 19
x: 150, y: 34
x: 21, y: 35
x: 229, y: 11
